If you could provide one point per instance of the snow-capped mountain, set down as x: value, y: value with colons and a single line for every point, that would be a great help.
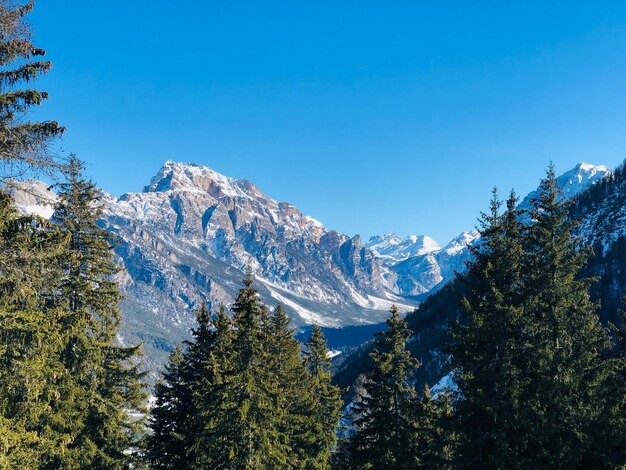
x: 194, y: 213
x: 598, y: 205
x: 32, y: 197
x: 395, y: 249
x: 573, y: 181
x: 419, y: 275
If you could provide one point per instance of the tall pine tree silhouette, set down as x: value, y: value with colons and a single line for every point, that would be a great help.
x: 566, y: 366
x: 251, y: 415
x: 489, y: 347
x: 383, y: 424
x: 167, y: 446
x: 34, y: 427
x: 107, y: 372
x: 209, y: 364
x: 325, y: 413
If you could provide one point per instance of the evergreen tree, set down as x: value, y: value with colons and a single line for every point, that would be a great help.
x: 291, y: 392
x: 24, y: 144
x: 250, y: 427
x: 612, y: 420
x: 530, y: 363
x: 31, y: 374
x: 167, y: 446
x: 566, y: 370
x: 383, y: 425
x: 326, y: 407
x: 434, y: 440
x: 108, y: 374
x: 208, y: 364
x: 489, y: 345
x: 32, y: 431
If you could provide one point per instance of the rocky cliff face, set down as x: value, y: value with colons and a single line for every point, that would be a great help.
x: 191, y: 223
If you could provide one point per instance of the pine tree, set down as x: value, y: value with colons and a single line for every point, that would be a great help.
x: 31, y: 373
x: 24, y: 144
x: 433, y: 439
x: 108, y: 374
x: 565, y: 364
x: 167, y: 446
x: 383, y: 424
x: 31, y: 339
x: 611, y: 423
x: 250, y: 427
x: 619, y: 393
x: 488, y: 347
x: 208, y: 364
x: 291, y: 392
x: 325, y: 412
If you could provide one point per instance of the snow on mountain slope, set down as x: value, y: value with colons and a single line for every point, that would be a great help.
x: 393, y: 248
x: 573, y: 181
x: 32, y: 197
x: 191, y: 235
x: 602, y: 212
x: 192, y: 209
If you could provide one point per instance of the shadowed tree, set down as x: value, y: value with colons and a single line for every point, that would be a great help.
x: 325, y: 412
x: 383, y: 424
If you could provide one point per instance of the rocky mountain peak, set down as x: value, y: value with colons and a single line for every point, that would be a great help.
x: 573, y: 181
x: 190, y: 177
x: 391, y: 247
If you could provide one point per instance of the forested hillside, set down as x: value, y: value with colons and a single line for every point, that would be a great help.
x: 600, y: 211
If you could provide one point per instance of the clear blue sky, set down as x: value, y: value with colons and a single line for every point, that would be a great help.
x: 370, y: 116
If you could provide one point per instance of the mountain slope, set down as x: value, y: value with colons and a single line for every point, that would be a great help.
x: 392, y: 248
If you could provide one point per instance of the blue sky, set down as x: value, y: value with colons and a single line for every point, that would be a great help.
x: 370, y: 116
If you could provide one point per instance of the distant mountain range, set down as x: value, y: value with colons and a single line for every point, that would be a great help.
x: 192, y: 233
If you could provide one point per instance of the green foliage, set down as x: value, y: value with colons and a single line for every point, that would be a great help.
x: 566, y: 370
x: 325, y: 409
x: 208, y: 364
x: 166, y: 446
x: 106, y: 374
x: 383, y: 426
x: 242, y: 396
x: 396, y: 428
x: 32, y: 377
x: 24, y: 144
x: 66, y: 387
x: 434, y: 441
x: 490, y: 347
x: 535, y: 382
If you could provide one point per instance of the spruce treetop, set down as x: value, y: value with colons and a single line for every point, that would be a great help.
x: 24, y: 144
